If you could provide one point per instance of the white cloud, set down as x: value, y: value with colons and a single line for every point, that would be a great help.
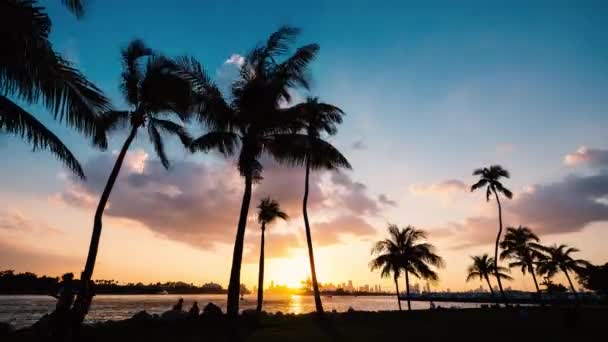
x: 235, y: 59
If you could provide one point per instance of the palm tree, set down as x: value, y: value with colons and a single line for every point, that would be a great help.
x: 254, y: 119
x: 417, y: 258
x: 557, y: 258
x: 490, y: 178
x: 390, y: 257
x: 483, y: 266
x: 268, y: 211
x: 521, y: 245
x: 316, y: 118
x: 34, y: 73
x: 152, y: 87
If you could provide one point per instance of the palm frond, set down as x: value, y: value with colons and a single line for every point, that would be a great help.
x: 15, y: 120
x: 175, y: 129
x: 481, y: 183
x: 109, y: 122
x: 132, y: 74
x: 157, y: 142
x: 295, y: 149
x: 224, y: 142
x: 75, y: 6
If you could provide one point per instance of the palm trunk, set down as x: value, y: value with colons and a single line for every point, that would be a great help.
x: 87, y: 274
x: 234, y: 286
x: 407, y: 290
x: 490, y: 287
x: 261, y: 272
x: 570, y: 281
x: 502, y: 292
x: 540, y: 297
x: 311, y: 257
x: 397, y: 289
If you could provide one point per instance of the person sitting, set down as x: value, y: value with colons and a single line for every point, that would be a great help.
x: 178, y: 306
x: 65, y: 294
x: 194, y: 310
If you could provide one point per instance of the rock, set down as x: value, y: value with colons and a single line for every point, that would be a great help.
x: 142, y: 316
x: 212, y: 310
x: 350, y: 309
x: 173, y: 315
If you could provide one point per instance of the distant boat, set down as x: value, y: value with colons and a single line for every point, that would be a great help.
x: 163, y: 292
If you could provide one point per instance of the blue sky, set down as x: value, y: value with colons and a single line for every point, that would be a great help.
x: 431, y: 89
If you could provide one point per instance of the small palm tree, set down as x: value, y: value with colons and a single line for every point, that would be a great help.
x: 316, y: 153
x: 268, y: 211
x: 254, y: 119
x: 417, y: 258
x: 521, y: 245
x: 153, y: 88
x: 483, y: 266
x: 490, y: 178
x: 33, y: 72
x: 389, y: 259
x: 557, y: 258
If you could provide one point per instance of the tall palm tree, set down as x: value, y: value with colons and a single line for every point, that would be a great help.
x: 33, y: 72
x: 521, y: 245
x: 154, y: 90
x: 557, y: 258
x: 268, y: 211
x: 317, y: 119
x: 483, y: 266
x: 417, y: 257
x: 389, y: 257
x: 254, y: 119
x: 490, y: 178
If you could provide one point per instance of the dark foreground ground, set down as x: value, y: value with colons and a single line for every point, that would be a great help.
x: 550, y: 324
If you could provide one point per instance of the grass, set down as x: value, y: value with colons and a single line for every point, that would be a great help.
x: 551, y: 324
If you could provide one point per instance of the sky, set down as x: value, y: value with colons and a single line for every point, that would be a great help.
x: 431, y: 91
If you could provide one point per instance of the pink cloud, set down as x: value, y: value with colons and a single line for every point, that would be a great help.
x: 589, y: 156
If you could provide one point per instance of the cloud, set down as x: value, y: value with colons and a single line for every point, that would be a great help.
x: 444, y: 191
x: 235, y: 59
x: 383, y: 198
x: 276, y: 245
x: 589, y: 156
x: 15, y: 222
x: 358, y: 145
x: 199, y: 203
x: 333, y: 232
x: 32, y: 260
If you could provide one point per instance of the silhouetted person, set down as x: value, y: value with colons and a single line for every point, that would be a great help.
x: 178, y: 306
x: 194, y: 310
x: 81, y: 306
x: 65, y: 298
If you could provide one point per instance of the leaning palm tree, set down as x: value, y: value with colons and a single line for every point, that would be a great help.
x: 268, y: 211
x: 483, y: 267
x: 557, y: 258
x: 490, y: 178
x: 253, y: 120
x: 521, y: 245
x: 33, y: 72
x: 390, y: 257
x: 154, y: 90
x: 417, y: 258
x: 317, y: 119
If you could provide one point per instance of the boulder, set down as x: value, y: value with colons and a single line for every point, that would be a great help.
x: 212, y: 310
x: 174, y: 315
x: 142, y: 316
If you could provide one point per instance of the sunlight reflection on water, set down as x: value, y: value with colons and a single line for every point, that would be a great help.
x: 21, y: 311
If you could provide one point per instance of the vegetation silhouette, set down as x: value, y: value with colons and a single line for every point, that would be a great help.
x: 33, y: 72
x: 317, y: 119
x: 595, y: 278
x: 490, y: 178
x: 268, y: 212
x: 404, y: 247
x: 482, y: 267
x: 557, y: 258
x: 255, y: 119
x: 154, y: 89
x: 521, y: 245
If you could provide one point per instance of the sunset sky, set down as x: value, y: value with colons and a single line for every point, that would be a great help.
x: 430, y: 92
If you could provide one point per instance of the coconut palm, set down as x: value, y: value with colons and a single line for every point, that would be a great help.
x: 254, y: 119
x: 490, y: 178
x: 389, y: 257
x: 483, y: 266
x: 34, y: 73
x: 317, y: 119
x: 521, y: 245
x: 154, y: 90
x: 557, y: 258
x: 268, y: 211
x: 418, y: 257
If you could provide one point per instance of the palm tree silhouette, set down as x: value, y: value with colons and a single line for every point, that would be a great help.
x: 254, y: 118
x: 316, y: 118
x: 268, y: 211
x: 390, y: 257
x: 521, y: 245
x: 483, y: 266
x: 417, y: 257
x: 152, y: 87
x: 35, y: 73
x: 75, y: 6
x: 490, y: 179
x: 557, y: 258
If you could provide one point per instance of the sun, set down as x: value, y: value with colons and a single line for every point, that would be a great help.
x: 289, y: 271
